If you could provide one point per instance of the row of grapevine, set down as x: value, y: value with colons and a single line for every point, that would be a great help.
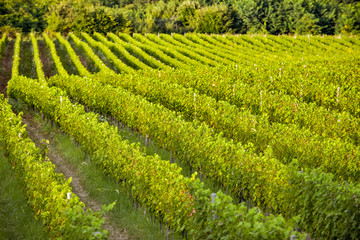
x: 128, y: 58
x: 155, y: 183
x: 297, y: 44
x: 341, y: 198
x: 341, y: 156
x: 267, y: 49
x: 16, y: 60
x: 173, y: 51
x: 276, y: 106
x: 253, y: 53
x: 282, y: 45
x: 47, y: 191
x: 241, y: 172
x: 89, y: 52
x: 122, y: 67
x: 335, y: 45
x: 356, y: 137
x: 222, y: 54
x: 74, y: 58
x: 172, y: 54
x: 193, y: 54
x: 337, y: 157
x: 313, y: 45
x: 57, y: 61
x: 163, y: 57
x: 351, y: 41
x: 142, y: 55
x: 331, y: 84
x: 195, y: 144
x: 246, y: 41
x: 37, y: 60
x: 223, y: 43
x: 263, y: 43
x: 245, y: 53
x: 281, y: 48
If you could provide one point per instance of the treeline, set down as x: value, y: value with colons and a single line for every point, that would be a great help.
x: 165, y: 16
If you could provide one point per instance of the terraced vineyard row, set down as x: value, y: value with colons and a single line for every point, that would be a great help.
x: 273, y: 120
x: 48, y: 193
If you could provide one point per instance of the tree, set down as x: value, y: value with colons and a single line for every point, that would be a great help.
x: 213, y: 19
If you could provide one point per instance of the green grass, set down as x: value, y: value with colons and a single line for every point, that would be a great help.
x: 16, y: 217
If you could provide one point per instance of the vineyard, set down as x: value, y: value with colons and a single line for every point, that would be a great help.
x: 263, y: 132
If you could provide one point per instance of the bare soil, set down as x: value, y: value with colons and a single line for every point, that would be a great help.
x: 34, y: 130
x: 46, y: 59
x: 6, y: 65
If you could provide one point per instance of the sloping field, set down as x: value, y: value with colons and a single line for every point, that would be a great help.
x: 270, y: 124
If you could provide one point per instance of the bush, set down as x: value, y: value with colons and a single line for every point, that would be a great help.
x: 10, y: 31
x: 86, y: 18
x: 213, y: 19
x: 186, y: 12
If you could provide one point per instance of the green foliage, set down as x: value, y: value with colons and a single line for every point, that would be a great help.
x: 3, y: 40
x: 25, y: 15
x: 38, y: 64
x: 205, y: 16
x: 74, y: 58
x: 45, y: 189
x: 137, y: 51
x: 91, y: 21
x: 145, y: 176
x: 218, y: 218
x: 333, y: 206
x: 292, y: 16
x: 160, y: 17
x: 17, y: 220
x: 123, y: 68
x: 16, y: 60
x: 65, y: 17
x: 251, y: 129
x: 61, y: 17
x: 212, y: 19
x: 141, y: 174
x: 186, y: 12
x: 239, y: 124
x: 349, y: 20
x: 10, y: 31
x: 55, y: 57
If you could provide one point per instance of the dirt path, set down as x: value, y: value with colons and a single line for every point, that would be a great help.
x: 6, y: 65
x: 33, y: 128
